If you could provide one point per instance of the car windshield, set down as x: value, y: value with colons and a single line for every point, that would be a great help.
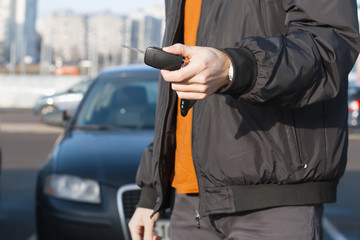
x: 80, y: 87
x: 118, y: 103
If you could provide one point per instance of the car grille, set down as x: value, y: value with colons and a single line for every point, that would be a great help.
x: 127, y: 198
x: 130, y: 198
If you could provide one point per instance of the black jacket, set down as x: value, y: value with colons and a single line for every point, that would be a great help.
x: 277, y: 135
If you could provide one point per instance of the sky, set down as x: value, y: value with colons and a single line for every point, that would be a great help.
x: 82, y: 6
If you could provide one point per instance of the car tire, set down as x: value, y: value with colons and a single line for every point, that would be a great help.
x: 41, y: 228
x: 46, y: 109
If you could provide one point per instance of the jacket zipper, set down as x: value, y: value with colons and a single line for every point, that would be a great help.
x: 166, y: 112
x: 197, y: 218
x: 297, y: 144
x: 197, y: 211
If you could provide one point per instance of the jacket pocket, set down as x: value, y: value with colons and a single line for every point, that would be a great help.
x: 293, y: 139
x: 307, y: 135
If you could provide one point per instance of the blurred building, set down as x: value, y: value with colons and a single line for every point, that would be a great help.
x: 94, y: 40
x: 5, y: 6
x: 63, y: 39
x: 105, y: 32
x: 18, y: 36
x: 144, y: 27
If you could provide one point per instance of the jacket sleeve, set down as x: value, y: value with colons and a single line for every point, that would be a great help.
x: 308, y: 64
x: 145, y: 181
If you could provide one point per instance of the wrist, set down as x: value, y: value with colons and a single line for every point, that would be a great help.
x: 148, y: 198
x: 244, y: 63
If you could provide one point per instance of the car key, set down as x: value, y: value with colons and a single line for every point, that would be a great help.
x: 157, y: 58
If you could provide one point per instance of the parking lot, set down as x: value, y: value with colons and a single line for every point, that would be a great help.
x: 25, y: 144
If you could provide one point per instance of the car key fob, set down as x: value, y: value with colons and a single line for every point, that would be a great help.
x: 185, y: 106
x: 157, y: 58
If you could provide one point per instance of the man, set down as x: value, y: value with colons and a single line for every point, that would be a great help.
x: 266, y: 142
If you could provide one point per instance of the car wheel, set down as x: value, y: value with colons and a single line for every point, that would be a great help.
x: 46, y: 109
x: 41, y: 228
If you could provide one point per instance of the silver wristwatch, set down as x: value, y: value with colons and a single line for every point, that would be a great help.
x: 231, y: 72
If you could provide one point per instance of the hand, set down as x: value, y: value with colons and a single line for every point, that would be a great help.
x: 142, y: 226
x: 207, y: 71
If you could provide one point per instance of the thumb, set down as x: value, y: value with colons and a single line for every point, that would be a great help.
x: 179, y: 49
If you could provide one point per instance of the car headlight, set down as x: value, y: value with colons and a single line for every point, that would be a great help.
x: 50, y: 101
x: 72, y: 188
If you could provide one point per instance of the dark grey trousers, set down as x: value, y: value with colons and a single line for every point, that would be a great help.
x: 280, y: 223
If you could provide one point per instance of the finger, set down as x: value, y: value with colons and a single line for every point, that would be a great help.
x: 149, y: 230
x: 183, y: 75
x: 136, y: 229
x: 137, y: 233
x: 191, y: 95
x: 195, y: 88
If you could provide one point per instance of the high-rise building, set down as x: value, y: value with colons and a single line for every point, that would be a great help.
x: 144, y: 27
x: 5, y: 6
x: 18, y: 37
x: 105, y: 33
x: 63, y: 37
x: 96, y: 38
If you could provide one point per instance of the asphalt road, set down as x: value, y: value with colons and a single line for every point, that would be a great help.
x: 26, y: 143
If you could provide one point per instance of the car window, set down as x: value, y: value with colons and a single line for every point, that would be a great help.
x: 354, y: 93
x: 80, y: 87
x: 120, y: 103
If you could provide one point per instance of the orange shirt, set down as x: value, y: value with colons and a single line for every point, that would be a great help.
x: 184, y: 178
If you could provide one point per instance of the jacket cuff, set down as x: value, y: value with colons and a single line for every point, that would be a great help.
x: 244, y: 64
x: 148, y: 198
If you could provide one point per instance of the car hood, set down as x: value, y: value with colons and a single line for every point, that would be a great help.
x: 111, y: 157
x: 43, y: 98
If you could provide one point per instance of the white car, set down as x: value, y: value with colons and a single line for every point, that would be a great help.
x: 66, y: 100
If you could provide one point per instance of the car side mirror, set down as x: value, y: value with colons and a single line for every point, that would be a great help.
x: 56, y: 118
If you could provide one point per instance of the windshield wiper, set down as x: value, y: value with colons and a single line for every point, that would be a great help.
x: 99, y: 127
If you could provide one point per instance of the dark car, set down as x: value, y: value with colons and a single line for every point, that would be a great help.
x: 86, y: 190
x: 67, y: 100
x: 354, y: 105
